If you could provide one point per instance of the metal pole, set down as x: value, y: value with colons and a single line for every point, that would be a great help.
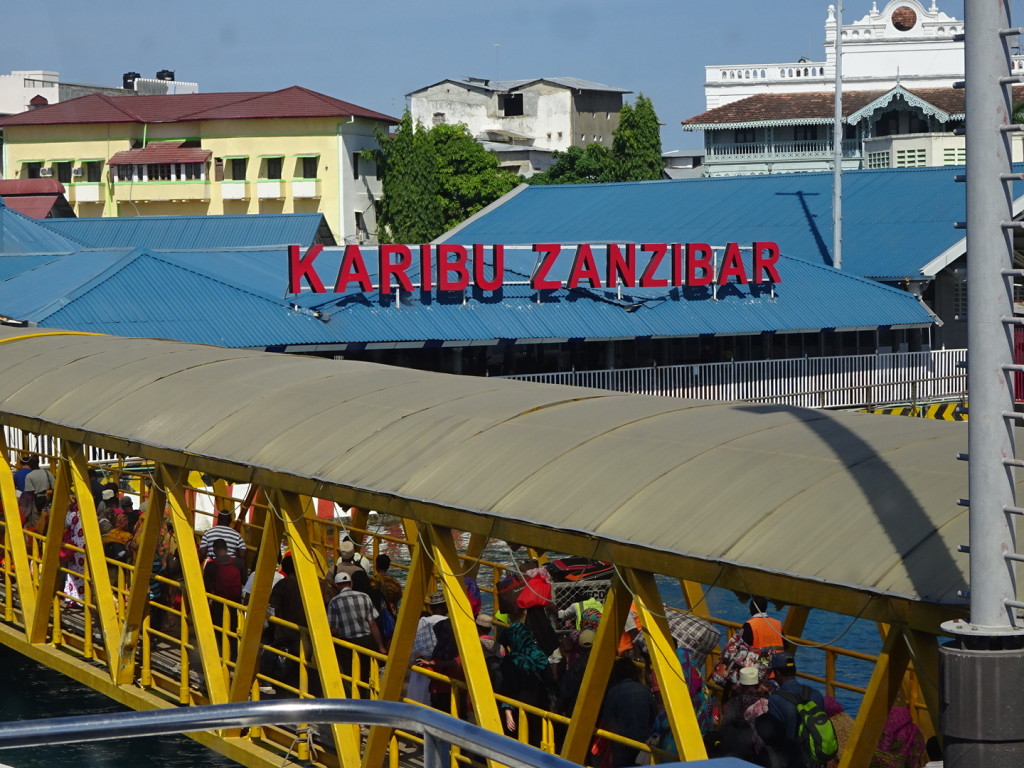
x: 837, y: 147
x: 980, y: 720
x: 989, y: 299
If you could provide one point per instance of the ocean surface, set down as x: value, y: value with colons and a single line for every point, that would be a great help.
x: 31, y: 691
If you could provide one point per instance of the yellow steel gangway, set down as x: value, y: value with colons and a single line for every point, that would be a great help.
x: 816, y: 510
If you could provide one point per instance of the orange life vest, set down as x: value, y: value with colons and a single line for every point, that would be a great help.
x: 766, y: 632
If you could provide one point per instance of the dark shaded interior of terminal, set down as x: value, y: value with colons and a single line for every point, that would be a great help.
x: 521, y: 357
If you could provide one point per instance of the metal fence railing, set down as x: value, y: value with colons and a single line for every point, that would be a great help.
x: 811, y: 382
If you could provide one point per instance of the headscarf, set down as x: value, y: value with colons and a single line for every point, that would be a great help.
x: 901, y: 739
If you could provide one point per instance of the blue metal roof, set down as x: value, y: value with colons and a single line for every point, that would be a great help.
x: 238, y: 299
x: 143, y: 294
x: 190, y: 232
x: 894, y: 220
x: 20, y: 235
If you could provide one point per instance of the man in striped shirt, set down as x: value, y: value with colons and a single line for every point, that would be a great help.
x: 222, y: 530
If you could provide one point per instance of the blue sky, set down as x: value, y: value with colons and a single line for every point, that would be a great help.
x: 373, y: 53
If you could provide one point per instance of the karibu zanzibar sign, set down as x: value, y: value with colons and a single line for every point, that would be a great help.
x: 450, y: 267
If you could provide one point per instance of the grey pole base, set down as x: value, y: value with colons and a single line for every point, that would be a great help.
x: 982, y: 702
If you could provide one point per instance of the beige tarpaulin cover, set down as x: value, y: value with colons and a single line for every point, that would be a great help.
x: 852, y: 499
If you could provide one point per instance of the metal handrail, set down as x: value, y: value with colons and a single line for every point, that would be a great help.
x: 439, y: 731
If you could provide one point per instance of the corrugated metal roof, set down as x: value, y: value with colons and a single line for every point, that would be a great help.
x: 238, y: 299
x: 145, y: 294
x: 191, y: 232
x: 849, y: 500
x: 895, y: 221
x: 21, y: 235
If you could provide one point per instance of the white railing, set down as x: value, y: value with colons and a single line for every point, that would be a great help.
x: 811, y: 382
x: 20, y: 443
x: 808, y: 70
x: 781, y: 149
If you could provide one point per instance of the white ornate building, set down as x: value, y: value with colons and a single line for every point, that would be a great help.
x: 899, y: 105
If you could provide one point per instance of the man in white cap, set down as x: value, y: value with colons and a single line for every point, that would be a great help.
x: 352, y: 618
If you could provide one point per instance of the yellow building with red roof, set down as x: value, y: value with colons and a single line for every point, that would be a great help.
x: 286, y: 151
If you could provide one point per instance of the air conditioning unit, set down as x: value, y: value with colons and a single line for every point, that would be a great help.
x: 76, y: 172
x: 45, y: 173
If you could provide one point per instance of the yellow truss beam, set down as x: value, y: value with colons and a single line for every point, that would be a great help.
x: 661, y: 647
x: 418, y: 584
x: 138, y: 598
x: 448, y: 566
x: 102, y: 592
x: 209, y: 650
x: 256, y: 609
x: 15, y: 535
x: 595, y: 678
x: 294, y: 515
x: 49, y: 570
x: 878, y: 700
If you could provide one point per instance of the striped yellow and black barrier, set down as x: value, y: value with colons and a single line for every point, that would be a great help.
x: 951, y: 411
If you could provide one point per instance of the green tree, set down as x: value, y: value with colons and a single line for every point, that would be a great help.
x: 636, y: 143
x: 410, y: 209
x: 433, y: 179
x: 635, y: 154
x: 468, y: 176
x: 579, y: 165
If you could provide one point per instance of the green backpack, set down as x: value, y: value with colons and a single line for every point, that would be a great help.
x: 814, y: 731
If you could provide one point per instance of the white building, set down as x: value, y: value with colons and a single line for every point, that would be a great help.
x: 903, y: 43
x: 900, y: 108
x: 540, y: 115
x: 24, y: 89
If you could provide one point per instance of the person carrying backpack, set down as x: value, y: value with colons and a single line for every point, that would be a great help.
x: 801, y: 711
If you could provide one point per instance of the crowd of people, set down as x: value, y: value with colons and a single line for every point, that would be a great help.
x: 753, y: 705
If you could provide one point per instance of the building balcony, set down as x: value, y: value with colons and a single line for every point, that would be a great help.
x: 305, y: 188
x: 779, y: 150
x: 270, y: 189
x: 234, y: 190
x: 85, y: 193
x: 162, y: 191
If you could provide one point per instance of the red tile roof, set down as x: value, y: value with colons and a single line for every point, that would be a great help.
x: 766, y: 107
x: 161, y: 152
x: 35, y: 207
x: 287, y: 102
